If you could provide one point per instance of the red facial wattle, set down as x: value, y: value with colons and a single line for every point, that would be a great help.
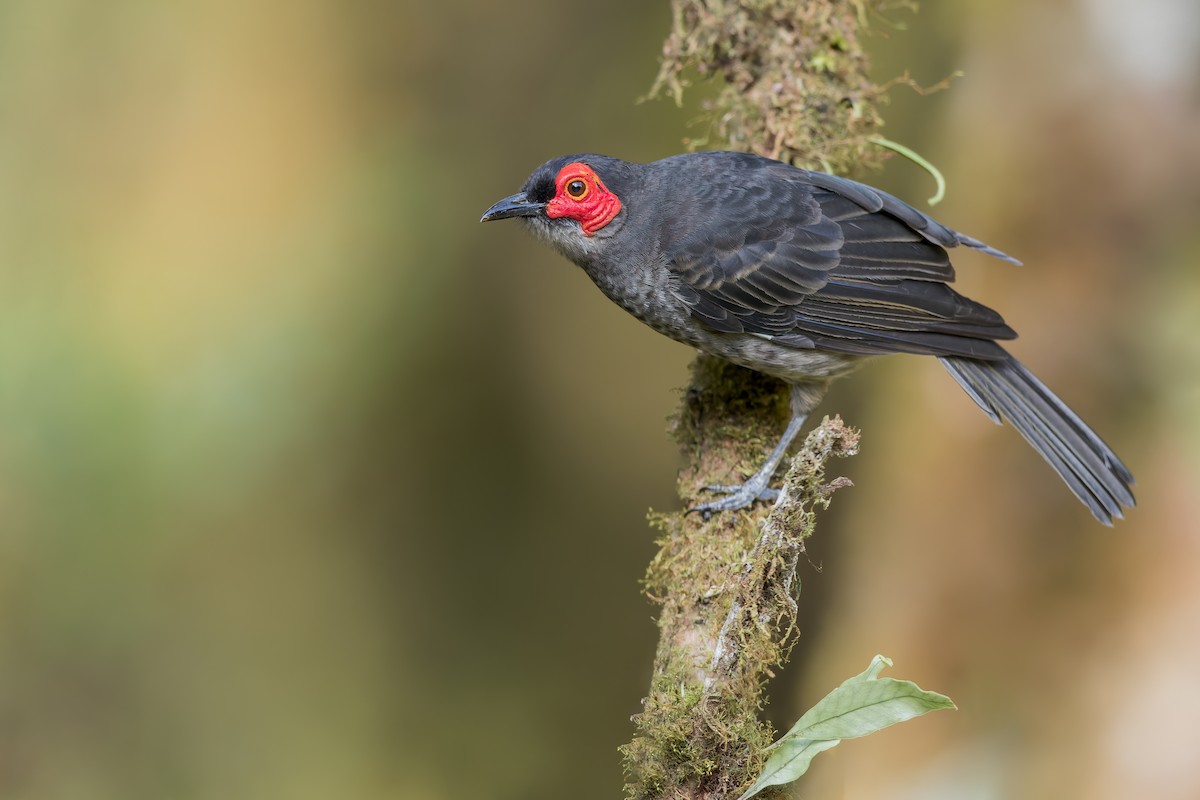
x: 581, y: 195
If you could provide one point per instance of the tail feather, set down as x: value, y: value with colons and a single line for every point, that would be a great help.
x: 1005, y: 390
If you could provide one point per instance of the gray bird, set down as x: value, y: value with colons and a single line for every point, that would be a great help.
x: 800, y: 275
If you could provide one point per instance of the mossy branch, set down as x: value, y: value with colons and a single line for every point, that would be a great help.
x: 794, y: 86
x: 727, y: 588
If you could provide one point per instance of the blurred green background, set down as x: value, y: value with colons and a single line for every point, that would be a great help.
x: 311, y: 486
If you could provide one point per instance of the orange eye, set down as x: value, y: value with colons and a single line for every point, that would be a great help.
x: 577, y: 189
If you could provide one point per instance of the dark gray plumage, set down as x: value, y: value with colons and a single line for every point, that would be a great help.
x: 800, y: 275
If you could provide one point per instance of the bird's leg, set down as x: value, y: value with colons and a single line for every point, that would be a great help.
x: 804, y: 398
x: 758, y: 485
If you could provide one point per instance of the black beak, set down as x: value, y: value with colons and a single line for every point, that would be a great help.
x: 516, y: 206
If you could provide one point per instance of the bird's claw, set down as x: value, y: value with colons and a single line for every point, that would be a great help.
x: 768, y: 494
x: 736, y: 497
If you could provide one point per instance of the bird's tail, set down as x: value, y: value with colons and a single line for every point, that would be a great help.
x: 1005, y: 390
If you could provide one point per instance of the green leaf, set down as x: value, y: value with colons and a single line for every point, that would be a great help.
x: 861, y: 705
x: 789, y: 760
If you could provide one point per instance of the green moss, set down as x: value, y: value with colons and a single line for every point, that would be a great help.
x: 692, y: 742
x: 793, y: 74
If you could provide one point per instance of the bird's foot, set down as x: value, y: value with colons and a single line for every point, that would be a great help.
x: 758, y: 487
x: 736, y: 497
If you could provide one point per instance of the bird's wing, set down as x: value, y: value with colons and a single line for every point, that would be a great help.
x: 815, y: 261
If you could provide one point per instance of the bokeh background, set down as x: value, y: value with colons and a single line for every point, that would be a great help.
x: 312, y: 487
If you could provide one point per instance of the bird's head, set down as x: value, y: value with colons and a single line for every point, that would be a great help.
x: 574, y: 202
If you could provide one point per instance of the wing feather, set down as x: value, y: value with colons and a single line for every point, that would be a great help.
x: 812, y: 260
